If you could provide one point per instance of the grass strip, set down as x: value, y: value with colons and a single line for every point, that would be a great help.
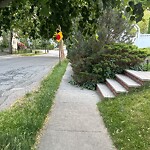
x: 20, y: 124
x: 127, y: 118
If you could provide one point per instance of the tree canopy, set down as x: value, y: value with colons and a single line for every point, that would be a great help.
x: 41, y: 18
x: 4, y: 3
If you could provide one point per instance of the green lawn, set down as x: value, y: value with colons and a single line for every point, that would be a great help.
x: 127, y: 118
x: 20, y: 124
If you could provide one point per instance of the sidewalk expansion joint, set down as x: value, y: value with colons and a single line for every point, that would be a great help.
x: 80, y: 131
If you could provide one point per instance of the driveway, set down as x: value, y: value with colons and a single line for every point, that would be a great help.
x: 20, y: 75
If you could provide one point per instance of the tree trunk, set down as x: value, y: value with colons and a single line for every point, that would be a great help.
x: 61, y: 49
x: 10, y: 42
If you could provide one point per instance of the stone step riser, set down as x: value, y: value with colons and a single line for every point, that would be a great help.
x: 124, y: 84
x: 115, y: 86
x: 104, y: 91
x: 100, y: 92
x: 129, y: 81
x: 136, y: 79
x: 111, y: 88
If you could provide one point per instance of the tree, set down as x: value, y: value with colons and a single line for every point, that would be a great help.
x: 4, y: 3
x: 13, y: 18
x: 52, y: 13
x: 5, y: 41
x: 143, y: 24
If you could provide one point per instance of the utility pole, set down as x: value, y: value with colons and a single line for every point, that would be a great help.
x: 59, y: 38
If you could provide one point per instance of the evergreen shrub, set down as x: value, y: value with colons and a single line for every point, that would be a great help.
x: 92, y: 68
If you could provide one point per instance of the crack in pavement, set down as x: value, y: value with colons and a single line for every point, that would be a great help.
x: 22, y: 78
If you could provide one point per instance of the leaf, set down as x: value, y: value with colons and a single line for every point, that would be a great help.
x: 45, y: 11
x: 131, y: 4
x: 128, y: 9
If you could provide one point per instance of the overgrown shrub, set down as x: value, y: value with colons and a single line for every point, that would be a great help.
x: 147, y: 50
x: 112, y: 59
x: 96, y: 58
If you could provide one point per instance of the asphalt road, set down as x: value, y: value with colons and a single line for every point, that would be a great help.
x: 20, y: 75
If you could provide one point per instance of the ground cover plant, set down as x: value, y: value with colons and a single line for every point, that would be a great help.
x: 146, y: 64
x: 127, y: 118
x: 19, y: 125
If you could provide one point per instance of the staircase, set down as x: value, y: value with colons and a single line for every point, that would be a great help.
x: 123, y: 83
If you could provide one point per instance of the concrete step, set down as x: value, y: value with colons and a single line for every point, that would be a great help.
x: 139, y: 76
x: 115, y: 87
x: 104, y: 91
x: 126, y: 82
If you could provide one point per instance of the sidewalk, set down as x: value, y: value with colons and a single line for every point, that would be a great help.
x: 74, y: 122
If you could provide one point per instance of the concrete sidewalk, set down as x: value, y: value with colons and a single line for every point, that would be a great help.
x: 74, y: 122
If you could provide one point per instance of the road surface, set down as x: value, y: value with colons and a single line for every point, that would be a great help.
x: 20, y: 75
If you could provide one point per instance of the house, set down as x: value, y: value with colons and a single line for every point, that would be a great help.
x: 141, y: 40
